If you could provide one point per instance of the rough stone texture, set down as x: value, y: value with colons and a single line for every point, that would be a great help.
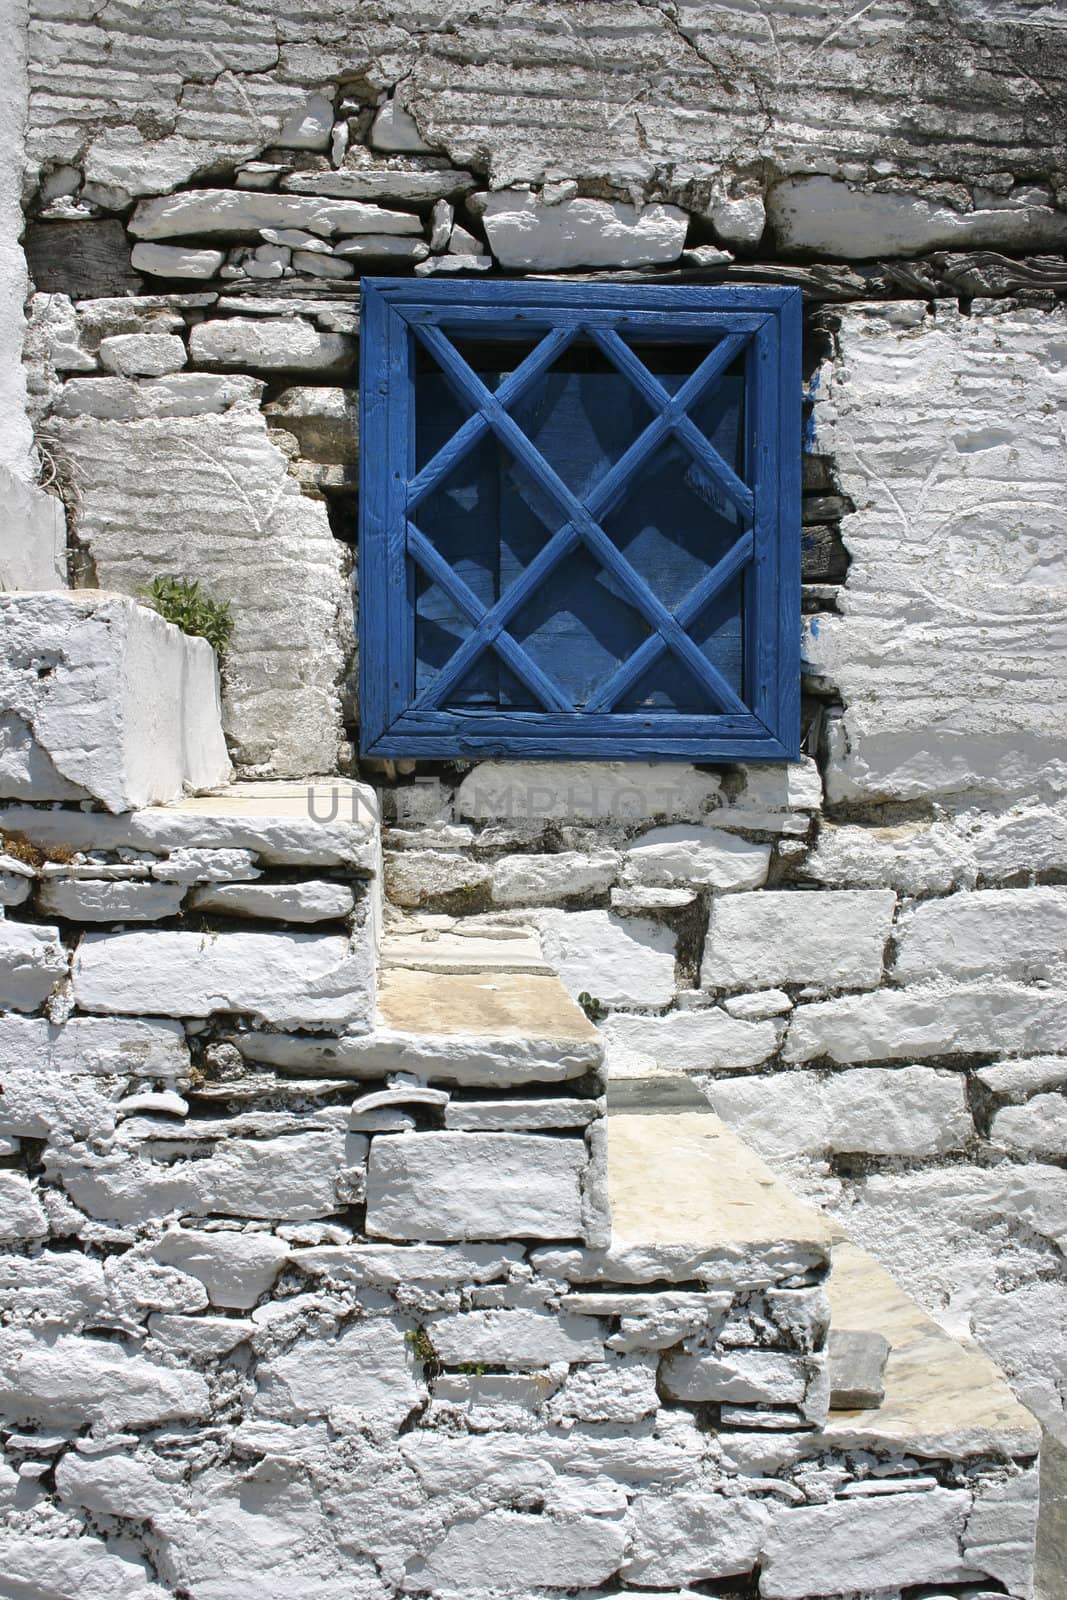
x: 312, y: 901
x: 828, y: 217
x: 1017, y: 933
x: 236, y: 213
x: 831, y: 940
x: 886, y: 1544
x: 895, y: 1025
x: 251, y: 539
x: 696, y: 856
x: 617, y: 960
x: 32, y: 962
x: 946, y: 479
x: 104, y: 701
x: 583, y: 790
x: 534, y: 880
x: 295, y: 980
x: 475, y: 1186
x: 687, y: 1041
x: 524, y: 232
x: 830, y: 96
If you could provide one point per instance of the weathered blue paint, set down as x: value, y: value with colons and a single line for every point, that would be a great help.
x: 580, y: 520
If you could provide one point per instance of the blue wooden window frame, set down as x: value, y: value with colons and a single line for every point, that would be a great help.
x: 398, y: 316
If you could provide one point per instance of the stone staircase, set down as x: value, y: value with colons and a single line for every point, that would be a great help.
x: 838, y: 1441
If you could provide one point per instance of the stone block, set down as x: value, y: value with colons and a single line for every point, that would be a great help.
x: 237, y: 213
x: 83, y: 900
x: 693, y: 856
x: 311, y: 901
x: 294, y: 1179
x: 271, y: 344
x: 897, y: 1111
x: 105, y: 701
x: 525, y: 232
x: 866, y: 1545
x: 585, y: 791
x: 69, y: 1380
x: 618, y: 960
x: 22, y: 1221
x: 519, y: 880
x: 33, y: 536
x: 377, y: 182
x: 519, y: 1338
x: 142, y: 355
x: 367, y: 1369
x: 301, y: 980
x: 835, y: 940
x: 175, y: 261
x: 1037, y: 1128
x: 475, y: 1186
x: 510, y: 1553
x: 830, y: 217
x: 32, y: 962
x: 51, y: 1567
x: 1017, y: 933
x: 421, y: 877
x: 894, y: 1025
x: 1017, y: 1079
x: 705, y: 1040
x: 758, y: 1377
x: 332, y: 823
x: 235, y: 1268
x: 691, y: 1535
x: 913, y: 857
x: 915, y: 400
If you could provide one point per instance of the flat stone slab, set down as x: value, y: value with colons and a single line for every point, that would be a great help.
x: 502, y: 1005
x: 682, y: 1178
x: 942, y: 1398
x: 455, y: 953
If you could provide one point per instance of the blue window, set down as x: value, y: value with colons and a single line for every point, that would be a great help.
x: 580, y: 520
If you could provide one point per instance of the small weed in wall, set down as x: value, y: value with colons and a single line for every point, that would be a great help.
x: 179, y: 600
x: 594, y: 1009
x: 423, y: 1350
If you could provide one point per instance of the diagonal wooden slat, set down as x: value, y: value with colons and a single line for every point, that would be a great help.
x: 628, y: 672
x: 676, y: 406
x: 475, y: 428
x: 422, y: 551
x: 610, y: 557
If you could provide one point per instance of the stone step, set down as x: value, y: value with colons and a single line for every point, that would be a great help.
x: 941, y: 1398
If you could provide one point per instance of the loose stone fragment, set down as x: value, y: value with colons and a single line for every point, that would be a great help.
x: 856, y: 1361
x: 394, y: 128
x: 322, y: 266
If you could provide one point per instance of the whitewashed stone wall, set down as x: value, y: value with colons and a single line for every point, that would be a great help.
x: 860, y: 961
